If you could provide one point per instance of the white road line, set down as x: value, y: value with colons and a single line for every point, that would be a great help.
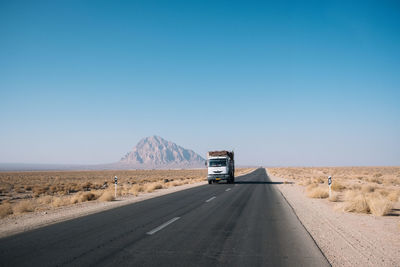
x: 210, y: 199
x: 155, y: 230
x: 228, y: 189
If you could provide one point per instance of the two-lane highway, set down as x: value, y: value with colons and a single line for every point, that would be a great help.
x: 246, y: 223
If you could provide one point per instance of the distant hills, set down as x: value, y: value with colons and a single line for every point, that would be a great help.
x: 152, y: 152
x: 155, y: 152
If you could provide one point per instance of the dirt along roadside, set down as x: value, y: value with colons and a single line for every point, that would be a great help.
x: 346, y: 239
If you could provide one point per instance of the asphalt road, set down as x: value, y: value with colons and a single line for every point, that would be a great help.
x: 248, y: 223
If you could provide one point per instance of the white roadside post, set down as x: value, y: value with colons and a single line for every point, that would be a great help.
x: 329, y: 183
x: 115, y: 182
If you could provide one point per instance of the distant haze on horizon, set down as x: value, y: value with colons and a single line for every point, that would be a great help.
x: 283, y: 83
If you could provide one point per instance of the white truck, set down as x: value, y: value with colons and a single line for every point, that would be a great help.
x: 221, y: 166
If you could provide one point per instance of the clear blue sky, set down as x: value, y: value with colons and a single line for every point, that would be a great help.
x: 283, y: 83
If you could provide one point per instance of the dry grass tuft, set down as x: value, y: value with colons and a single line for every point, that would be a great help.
x: 337, y: 186
x: 136, y: 189
x: 23, y: 206
x: 379, y: 206
x: 5, y: 209
x: 107, y: 196
x: 368, y: 188
x: 318, y: 180
x: 311, y: 186
x: 318, y: 192
x: 44, y: 200
x: 355, y: 202
x: 60, y: 201
x: 152, y: 186
x: 83, y: 197
x: 376, y: 180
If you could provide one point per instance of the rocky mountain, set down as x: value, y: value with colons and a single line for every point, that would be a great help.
x: 155, y: 152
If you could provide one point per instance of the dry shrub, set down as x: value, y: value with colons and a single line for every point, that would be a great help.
x: 361, y: 202
x: 124, y: 189
x: 376, y: 180
x: 89, y: 196
x: 355, y: 187
x: 158, y: 186
x: 305, y: 182
x: 378, y: 205
x: 393, y: 196
x: 5, y: 209
x: 24, y: 206
x: 311, y: 186
x: 392, y: 181
x: 83, y: 197
x: 383, y: 192
x: 176, y: 183
x: 167, y: 185
x: 28, y: 187
x: 53, y: 189
x: 355, y: 202
x: 60, y: 201
x: 39, y: 190
x: 368, y: 188
x: 336, y: 186
x: 20, y: 190
x: 318, y: 192
x: 334, y: 197
x: 152, y: 186
x: 318, y: 180
x: 44, y: 200
x: 148, y: 188
x: 107, y: 196
x: 136, y: 189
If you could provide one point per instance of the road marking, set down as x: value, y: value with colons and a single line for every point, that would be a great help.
x: 210, y: 199
x: 228, y: 189
x: 155, y: 230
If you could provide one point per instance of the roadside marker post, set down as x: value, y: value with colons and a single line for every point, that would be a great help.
x: 330, y: 183
x: 115, y: 182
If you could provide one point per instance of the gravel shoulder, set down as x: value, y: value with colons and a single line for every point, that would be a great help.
x: 346, y: 239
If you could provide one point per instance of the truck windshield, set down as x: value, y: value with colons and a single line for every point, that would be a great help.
x: 217, y: 162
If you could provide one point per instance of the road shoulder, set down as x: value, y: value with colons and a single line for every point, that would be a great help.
x: 346, y: 239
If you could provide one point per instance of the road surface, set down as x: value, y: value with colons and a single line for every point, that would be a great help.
x: 248, y: 223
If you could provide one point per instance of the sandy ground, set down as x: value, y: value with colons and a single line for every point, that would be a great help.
x: 346, y: 239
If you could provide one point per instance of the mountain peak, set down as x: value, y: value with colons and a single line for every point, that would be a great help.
x: 156, y: 152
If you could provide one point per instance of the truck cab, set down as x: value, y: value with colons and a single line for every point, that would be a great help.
x: 220, y: 166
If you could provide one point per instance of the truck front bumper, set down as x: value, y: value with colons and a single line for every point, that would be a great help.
x: 218, y: 177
